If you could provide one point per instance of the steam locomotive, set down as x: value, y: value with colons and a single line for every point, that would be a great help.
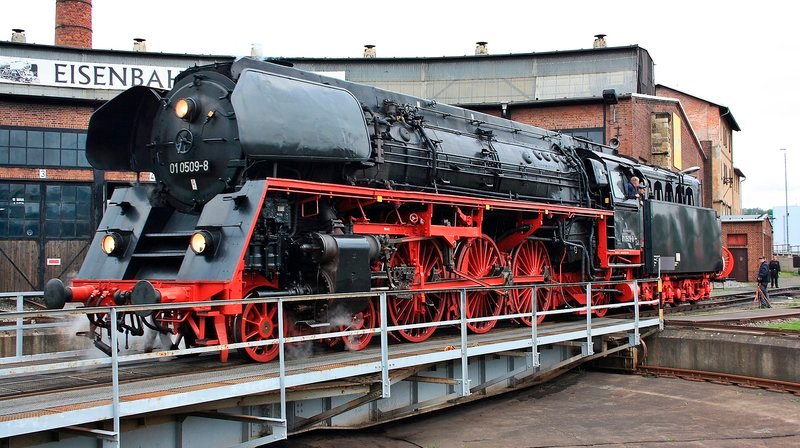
x: 275, y: 182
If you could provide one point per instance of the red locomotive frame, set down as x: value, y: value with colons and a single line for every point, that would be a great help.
x: 477, y: 260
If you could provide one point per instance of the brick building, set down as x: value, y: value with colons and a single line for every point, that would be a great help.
x: 50, y: 198
x: 748, y: 237
x: 714, y: 125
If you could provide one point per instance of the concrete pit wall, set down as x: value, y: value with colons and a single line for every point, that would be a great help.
x: 739, y: 354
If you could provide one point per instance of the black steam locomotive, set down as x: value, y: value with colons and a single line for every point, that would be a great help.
x: 273, y: 181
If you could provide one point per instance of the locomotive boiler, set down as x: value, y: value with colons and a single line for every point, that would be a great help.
x: 274, y: 182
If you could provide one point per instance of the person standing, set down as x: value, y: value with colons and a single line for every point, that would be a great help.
x: 763, y: 280
x: 774, y: 270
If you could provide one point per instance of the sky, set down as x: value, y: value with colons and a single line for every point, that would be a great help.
x: 743, y: 56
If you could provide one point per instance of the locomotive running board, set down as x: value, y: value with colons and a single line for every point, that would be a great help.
x: 402, y: 196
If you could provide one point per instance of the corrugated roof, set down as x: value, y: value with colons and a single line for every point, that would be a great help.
x: 743, y: 218
x: 466, y: 56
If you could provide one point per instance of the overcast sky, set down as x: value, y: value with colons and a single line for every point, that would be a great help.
x: 743, y: 57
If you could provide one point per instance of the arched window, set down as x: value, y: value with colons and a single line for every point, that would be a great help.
x: 658, y: 191
x: 668, y: 193
x: 679, y: 194
x: 689, y: 196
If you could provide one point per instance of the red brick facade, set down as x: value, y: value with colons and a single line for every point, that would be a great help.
x: 755, y: 236
x: 43, y: 115
x: 74, y: 23
x: 711, y: 123
x: 576, y: 116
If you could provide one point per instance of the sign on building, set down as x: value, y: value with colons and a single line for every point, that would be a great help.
x: 88, y: 75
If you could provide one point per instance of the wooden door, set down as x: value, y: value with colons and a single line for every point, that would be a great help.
x: 19, y: 265
x: 739, y: 263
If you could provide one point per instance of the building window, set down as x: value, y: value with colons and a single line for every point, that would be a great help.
x: 20, y: 210
x: 42, y: 147
x: 56, y: 211
x: 66, y: 211
x: 592, y: 134
x: 737, y: 239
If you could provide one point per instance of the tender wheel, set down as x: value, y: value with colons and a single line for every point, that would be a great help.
x: 258, y: 322
x: 478, y: 258
x: 531, y: 258
x: 362, y: 320
x: 425, y: 258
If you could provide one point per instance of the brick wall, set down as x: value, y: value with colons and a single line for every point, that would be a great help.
x: 575, y: 116
x: 704, y: 116
x: 43, y: 115
x: 74, y: 23
x: 759, y: 242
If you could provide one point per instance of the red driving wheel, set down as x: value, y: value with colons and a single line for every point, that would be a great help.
x: 478, y: 258
x: 426, y: 258
x: 531, y: 258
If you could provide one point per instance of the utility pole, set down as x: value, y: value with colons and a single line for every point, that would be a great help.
x: 786, y: 192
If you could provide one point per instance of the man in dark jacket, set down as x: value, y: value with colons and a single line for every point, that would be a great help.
x: 632, y: 188
x: 774, y: 270
x: 763, y: 280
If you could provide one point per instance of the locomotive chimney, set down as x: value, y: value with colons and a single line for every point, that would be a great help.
x: 482, y: 48
x: 369, y: 51
x: 18, y: 35
x: 74, y: 23
x: 599, y: 41
x: 256, y: 51
x: 139, y: 44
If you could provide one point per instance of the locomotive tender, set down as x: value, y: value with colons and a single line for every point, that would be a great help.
x: 273, y: 181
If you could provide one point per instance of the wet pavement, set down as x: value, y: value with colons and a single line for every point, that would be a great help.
x: 587, y: 409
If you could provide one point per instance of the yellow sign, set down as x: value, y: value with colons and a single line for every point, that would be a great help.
x: 676, y: 142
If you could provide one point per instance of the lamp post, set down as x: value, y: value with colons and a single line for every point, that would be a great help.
x: 786, y: 192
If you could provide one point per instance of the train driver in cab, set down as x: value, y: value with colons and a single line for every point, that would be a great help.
x: 633, y: 189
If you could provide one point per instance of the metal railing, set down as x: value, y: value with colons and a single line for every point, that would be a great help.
x: 17, y: 364
x: 786, y: 249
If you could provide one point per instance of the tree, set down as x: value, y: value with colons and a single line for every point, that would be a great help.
x: 757, y: 211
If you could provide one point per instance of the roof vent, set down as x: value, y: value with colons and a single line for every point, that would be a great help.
x: 139, y: 44
x: 482, y: 48
x: 369, y: 51
x: 599, y: 41
x: 18, y: 35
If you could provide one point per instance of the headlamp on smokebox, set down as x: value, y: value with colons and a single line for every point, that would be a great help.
x: 186, y: 109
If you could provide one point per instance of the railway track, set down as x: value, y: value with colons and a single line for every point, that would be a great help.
x: 720, y: 301
x: 722, y: 378
x: 734, y: 328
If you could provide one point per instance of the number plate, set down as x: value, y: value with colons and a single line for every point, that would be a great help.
x: 189, y: 167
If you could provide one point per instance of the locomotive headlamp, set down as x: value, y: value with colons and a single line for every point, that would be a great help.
x: 112, y: 244
x: 202, y: 242
x: 185, y: 109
